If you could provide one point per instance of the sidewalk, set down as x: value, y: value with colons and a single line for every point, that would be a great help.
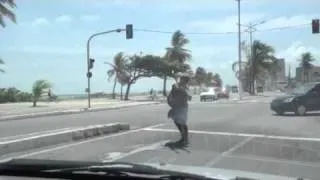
x: 265, y: 97
x: 25, y: 110
x: 246, y: 96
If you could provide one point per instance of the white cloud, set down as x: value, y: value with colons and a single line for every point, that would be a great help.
x: 64, y: 19
x: 40, y: 22
x: 286, y: 21
x: 128, y: 3
x: 75, y: 50
x: 90, y: 18
x: 227, y: 24
x: 294, y: 51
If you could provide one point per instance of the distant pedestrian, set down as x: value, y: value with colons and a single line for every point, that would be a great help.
x: 49, y: 93
x: 178, y: 101
x: 151, y: 91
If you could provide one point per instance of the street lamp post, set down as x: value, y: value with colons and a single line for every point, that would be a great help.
x: 88, y: 60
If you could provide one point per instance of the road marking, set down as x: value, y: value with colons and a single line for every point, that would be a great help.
x: 79, y: 143
x: 273, y: 160
x: 34, y: 134
x: 150, y: 147
x: 240, y: 134
x: 227, y: 152
x: 54, y: 133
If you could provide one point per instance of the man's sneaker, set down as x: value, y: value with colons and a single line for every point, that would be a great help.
x: 182, y: 143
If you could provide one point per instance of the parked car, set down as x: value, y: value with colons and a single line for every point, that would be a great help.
x: 260, y: 89
x: 210, y: 94
x: 224, y: 93
x: 300, y: 100
x: 234, y: 89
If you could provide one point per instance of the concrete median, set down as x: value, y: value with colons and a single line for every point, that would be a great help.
x: 65, y: 136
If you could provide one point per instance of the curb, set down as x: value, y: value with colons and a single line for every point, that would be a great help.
x: 71, y: 111
x: 24, y: 144
x: 242, y: 101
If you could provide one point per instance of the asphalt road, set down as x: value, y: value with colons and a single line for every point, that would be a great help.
x: 234, y: 136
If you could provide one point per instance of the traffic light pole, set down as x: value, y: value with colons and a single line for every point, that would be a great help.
x: 88, y: 59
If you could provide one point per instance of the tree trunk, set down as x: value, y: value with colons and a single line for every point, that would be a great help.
x: 253, y: 85
x: 121, y: 94
x: 249, y: 88
x: 126, y: 97
x: 114, y: 88
x: 164, y: 91
x: 34, y: 103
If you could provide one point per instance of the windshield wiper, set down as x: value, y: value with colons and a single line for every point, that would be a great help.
x: 130, y: 169
x: 35, y: 168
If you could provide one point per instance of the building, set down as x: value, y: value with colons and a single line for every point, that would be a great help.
x: 275, y: 78
x: 310, y: 75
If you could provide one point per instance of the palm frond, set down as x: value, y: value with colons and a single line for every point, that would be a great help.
x: 306, y: 60
x: 110, y: 73
x: 5, y: 12
x: 39, y: 86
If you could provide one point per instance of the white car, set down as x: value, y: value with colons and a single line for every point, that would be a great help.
x: 210, y: 94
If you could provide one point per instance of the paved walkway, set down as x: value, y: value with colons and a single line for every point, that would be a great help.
x: 11, y: 109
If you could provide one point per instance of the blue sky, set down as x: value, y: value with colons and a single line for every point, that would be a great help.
x: 48, y: 41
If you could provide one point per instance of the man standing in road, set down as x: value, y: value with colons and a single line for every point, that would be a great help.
x: 178, y: 101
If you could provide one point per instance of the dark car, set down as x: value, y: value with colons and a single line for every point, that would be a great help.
x: 260, y: 89
x: 302, y: 99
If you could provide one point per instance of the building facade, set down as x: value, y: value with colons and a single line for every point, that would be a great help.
x: 275, y: 78
x: 308, y: 75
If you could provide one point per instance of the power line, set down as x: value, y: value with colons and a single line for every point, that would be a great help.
x: 170, y: 32
x: 221, y: 33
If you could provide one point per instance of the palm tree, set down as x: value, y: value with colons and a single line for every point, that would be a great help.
x: 200, y: 76
x: 209, y: 78
x: 38, y: 89
x: 123, y: 79
x: 244, y: 78
x: 5, y: 11
x: 306, y: 60
x: 218, y: 79
x: 261, y: 61
x: 176, y: 54
x: 116, y: 68
x: 274, y: 71
x: 1, y: 62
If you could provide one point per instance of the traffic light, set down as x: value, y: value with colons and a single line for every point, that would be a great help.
x: 91, y: 61
x: 89, y: 74
x: 129, y: 31
x: 315, y: 26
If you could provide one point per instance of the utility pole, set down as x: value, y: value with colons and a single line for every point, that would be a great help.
x: 239, y: 50
x: 250, y: 29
